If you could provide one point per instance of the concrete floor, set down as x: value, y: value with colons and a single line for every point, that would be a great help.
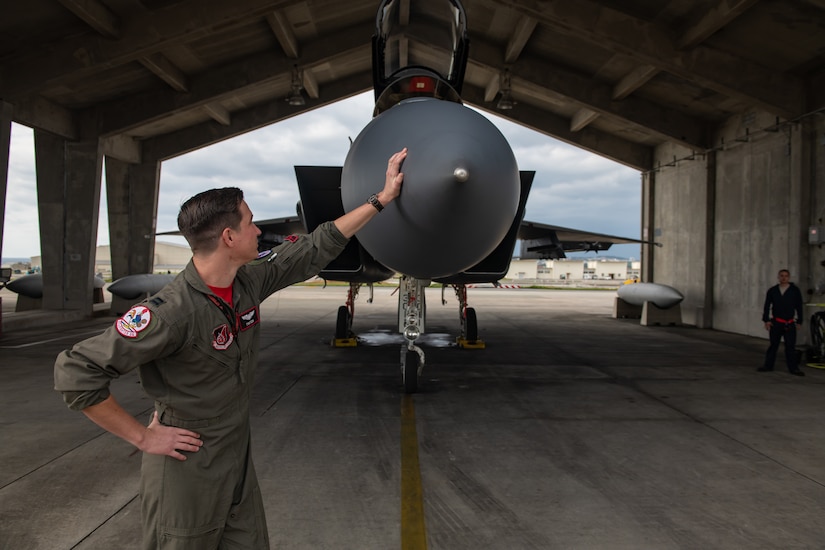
x: 570, y: 430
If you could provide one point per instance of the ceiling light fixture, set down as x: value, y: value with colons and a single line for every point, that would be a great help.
x: 505, y: 102
x: 295, y: 97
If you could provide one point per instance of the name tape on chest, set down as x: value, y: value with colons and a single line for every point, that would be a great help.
x: 249, y: 318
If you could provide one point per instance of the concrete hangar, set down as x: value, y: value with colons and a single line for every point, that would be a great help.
x: 719, y: 103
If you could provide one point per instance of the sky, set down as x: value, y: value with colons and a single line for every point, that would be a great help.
x: 572, y: 187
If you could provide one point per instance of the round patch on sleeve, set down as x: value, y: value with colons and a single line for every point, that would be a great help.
x: 134, y: 322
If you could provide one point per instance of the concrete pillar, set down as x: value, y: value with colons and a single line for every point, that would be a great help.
x: 50, y: 165
x: 132, y: 192
x: 5, y: 145
x: 704, y: 317
x: 68, y: 189
x: 83, y: 176
x: 648, y: 224
x: 802, y: 212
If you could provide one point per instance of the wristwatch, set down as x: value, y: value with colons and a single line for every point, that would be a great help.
x: 373, y: 200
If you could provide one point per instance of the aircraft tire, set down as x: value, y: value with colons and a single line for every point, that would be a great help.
x: 410, y: 372
x: 342, y: 324
x: 471, y: 325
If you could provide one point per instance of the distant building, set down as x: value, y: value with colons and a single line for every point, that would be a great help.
x: 522, y: 269
x: 573, y: 269
x: 567, y: 269
x: 169, y: 258
x: 603, y: 270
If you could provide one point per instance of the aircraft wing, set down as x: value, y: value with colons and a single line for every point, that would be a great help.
x: 542, y: 241
x: 273, y: 231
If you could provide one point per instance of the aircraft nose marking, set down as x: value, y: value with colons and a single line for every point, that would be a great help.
x: 413, y: 530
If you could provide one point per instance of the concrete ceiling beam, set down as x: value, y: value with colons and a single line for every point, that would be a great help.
x: 634, y: 155
x: 779, y: 93
x: 633, y: 80
x: 37, y: 112
x: 596, y: 96
x: 582, y: 118
x: 200, y: 135
x: 521, y: 34
x: 96, y: 15
x: 711, y: 20
x: 219, y: 84
x: 218, y: 113
x: 283, y: 33
x: 142, y: 35
x: 166, y: 71
x: 122, y: 148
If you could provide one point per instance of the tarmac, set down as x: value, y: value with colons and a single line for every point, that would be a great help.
x: 571, y: 429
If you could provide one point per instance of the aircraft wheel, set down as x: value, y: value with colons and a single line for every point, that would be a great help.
x: 343, y: 323
x: 410, y: 372
x: 470, y: 325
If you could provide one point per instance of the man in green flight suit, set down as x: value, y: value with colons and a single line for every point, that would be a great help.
x: 196, y: 345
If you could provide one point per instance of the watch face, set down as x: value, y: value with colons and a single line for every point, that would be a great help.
x: 373, y: 200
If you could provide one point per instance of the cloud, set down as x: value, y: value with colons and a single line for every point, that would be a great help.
x: 572, y: 187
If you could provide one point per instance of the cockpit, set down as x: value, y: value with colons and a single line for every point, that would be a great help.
x: 435, y: 67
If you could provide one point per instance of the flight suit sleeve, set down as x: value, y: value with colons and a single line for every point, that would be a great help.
x: 798, y: 307
x: 766, y: 308
x: 83, y: 373
x: 298, y: 258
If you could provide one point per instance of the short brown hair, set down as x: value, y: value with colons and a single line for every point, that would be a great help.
x: 203, y: 217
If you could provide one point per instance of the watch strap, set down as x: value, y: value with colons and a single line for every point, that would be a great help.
x: 373, y: 200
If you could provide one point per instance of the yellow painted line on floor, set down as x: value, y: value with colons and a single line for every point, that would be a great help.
x: 413, y: 531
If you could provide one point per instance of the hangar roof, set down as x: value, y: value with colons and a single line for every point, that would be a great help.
x: 159, y: 78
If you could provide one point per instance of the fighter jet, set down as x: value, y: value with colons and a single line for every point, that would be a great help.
x: 461, y: 208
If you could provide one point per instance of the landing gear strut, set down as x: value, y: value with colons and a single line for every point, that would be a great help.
x: 344, y: 337
x: 411, y: 314
x: 467, y: 315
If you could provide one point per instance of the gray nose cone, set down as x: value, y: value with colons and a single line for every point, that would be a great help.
x: 460, y: 193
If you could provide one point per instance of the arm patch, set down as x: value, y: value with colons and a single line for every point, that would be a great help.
x: 134, y: 321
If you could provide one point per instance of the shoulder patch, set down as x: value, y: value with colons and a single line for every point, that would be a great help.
x: 135, y: 321
x: 291, y: 238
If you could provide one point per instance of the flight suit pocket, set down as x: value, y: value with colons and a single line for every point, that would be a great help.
x: 220, y: 363
x: 226, y: 358
x: 197, y: 538
x: 165, y: 418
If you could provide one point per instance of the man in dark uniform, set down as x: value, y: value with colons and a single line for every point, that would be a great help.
x: 782, y: 316
x: 195, y: 344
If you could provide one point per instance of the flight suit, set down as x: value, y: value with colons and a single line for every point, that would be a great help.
x: 784, y: 311
x: 196, y: 358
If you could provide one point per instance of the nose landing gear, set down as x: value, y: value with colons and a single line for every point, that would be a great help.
x: 411, y: 315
